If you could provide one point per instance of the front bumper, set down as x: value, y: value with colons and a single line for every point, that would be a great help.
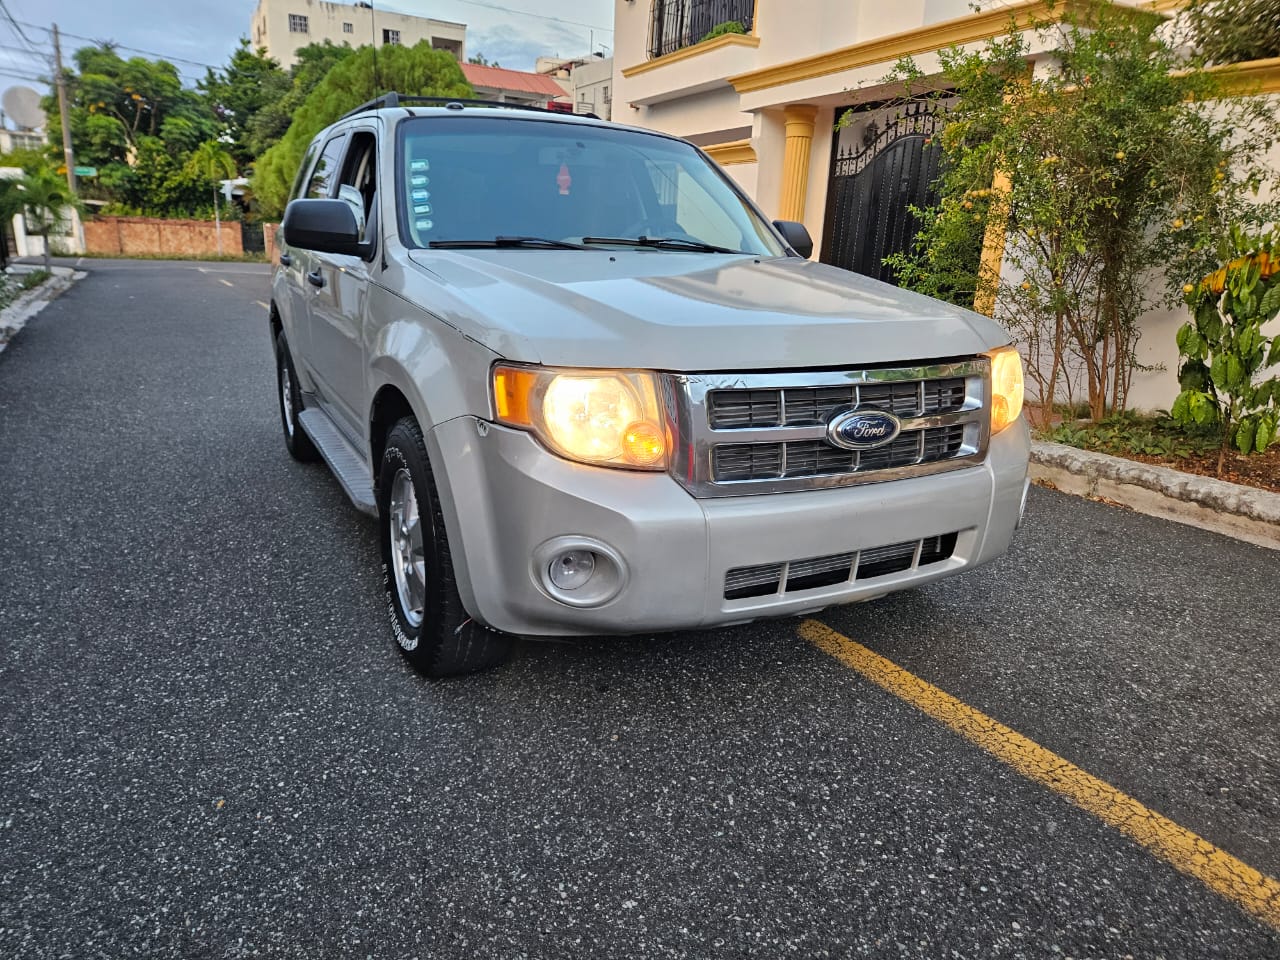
x: 505, y: 496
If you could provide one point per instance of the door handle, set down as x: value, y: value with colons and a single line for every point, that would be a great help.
x: 286, y: 260
x: 316, y: 278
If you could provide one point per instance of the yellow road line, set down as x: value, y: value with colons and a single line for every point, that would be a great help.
x: 1192, y: 854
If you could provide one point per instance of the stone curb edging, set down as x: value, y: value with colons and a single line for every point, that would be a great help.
x: 30, y: 302
x: 1237, y: 511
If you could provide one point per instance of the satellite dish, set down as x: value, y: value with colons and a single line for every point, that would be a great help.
x: 22, y: 104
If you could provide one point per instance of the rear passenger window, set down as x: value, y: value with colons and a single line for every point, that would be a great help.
x: 302, y: 172
x: 326, y: 169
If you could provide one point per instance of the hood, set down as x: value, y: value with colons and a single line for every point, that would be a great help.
x: 665, y: 310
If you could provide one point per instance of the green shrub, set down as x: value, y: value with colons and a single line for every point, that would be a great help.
x: 1225, y: 349
x: 724, y: 29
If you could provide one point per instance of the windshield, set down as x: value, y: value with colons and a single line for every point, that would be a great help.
x: 481, y: 178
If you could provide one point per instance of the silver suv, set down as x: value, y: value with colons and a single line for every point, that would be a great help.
x: 586, y: 387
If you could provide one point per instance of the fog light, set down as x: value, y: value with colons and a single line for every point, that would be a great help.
x: 572, y: 569
x: 578, y: 571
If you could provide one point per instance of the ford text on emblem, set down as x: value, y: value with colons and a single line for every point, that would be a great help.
x: 863, y: 429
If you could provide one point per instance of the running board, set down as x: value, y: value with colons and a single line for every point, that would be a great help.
x: 347, y: 465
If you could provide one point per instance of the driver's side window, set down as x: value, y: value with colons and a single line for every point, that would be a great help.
x: 358, y: 185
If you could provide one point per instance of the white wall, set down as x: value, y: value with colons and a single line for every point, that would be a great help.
x: 326, y: 21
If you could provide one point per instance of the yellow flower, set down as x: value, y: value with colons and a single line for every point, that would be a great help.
x: 1187, y: 288
x: 1025, y: 285
x: 1119, y: 154
x: 1178, y: 224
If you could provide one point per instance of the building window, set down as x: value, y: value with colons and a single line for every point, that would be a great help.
x: 298, y: 23
x: 677, y: 24
x: 607, y: 97
x: 391, y: 36
x: 348, y: 28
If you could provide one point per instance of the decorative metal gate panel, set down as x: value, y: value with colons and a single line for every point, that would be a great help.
x: 252, y: 239
x: 873, y: 185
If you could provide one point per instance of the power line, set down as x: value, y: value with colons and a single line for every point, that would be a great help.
x: 23, y: 76
x: 4, y: 8
x: 23, y: 50
x: 120, y: 46
x: 536, y: 16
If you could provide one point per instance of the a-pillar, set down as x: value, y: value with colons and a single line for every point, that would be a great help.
x: 795, y: 161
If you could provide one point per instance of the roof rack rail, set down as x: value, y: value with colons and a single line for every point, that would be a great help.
x: 393, y: 99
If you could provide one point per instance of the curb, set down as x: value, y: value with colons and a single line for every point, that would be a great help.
x: 1245, y: 513
x: 15, y: 316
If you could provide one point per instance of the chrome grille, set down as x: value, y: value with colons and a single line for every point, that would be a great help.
x: 736, y: 409
x: 817, y: 458
x: 731, y: 409
x: 767, y: 432
x: 767, y: 579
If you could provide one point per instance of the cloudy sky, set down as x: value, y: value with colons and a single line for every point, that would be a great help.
x: 513, y: 32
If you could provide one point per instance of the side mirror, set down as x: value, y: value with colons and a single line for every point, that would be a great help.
x: 797, y: 237
x: 325, y: 226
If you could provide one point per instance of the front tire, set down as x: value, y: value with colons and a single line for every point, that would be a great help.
x: 430, y: 624
x: 289, y: 399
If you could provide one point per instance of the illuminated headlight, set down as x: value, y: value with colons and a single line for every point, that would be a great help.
x: 609, y: 418
x: 1006, y: 387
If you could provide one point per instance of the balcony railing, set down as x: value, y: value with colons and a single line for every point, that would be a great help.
x: 678, y: 24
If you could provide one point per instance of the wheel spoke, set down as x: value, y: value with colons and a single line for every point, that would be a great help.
x: 408, y: 558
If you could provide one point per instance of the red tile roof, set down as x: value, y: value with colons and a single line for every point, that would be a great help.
x: 496, y: 78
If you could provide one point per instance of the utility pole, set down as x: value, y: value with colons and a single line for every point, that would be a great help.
x: 68, y: 156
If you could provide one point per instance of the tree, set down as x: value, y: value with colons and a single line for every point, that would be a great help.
x: 45, y: 198
x: 416, y: 70
x: 212, y: 160
x: 480, y: 60
x: 1231, y: 31
x: 265, y: 128
x: 1123, y: 165
x: 250, y: 83
x: 114, y: 102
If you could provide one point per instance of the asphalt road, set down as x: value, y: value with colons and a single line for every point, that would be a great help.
x: 212, y: 749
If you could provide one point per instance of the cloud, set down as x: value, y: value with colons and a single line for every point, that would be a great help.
x: 517, y: 49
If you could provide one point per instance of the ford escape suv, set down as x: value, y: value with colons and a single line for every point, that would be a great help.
x: 586, y: 387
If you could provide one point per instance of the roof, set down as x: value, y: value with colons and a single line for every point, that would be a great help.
x: 496, y: 78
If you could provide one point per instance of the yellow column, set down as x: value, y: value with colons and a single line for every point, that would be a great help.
x: 795, y: 161
x: 984, y: 301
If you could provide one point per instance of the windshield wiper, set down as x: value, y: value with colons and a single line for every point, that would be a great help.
x: 677, y: 243
x: 501, y: 242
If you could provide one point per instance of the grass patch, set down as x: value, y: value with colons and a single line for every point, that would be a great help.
x: 33, y: 279
x: 1132, y: 434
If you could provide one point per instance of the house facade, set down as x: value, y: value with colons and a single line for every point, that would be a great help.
x: 587, y: 80
x: 762, y: 86
x: 282, y: 26
x: 516, y: 86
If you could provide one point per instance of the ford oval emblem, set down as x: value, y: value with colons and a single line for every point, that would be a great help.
x: 863, y: 429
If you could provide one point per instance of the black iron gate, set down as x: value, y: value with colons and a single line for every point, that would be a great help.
x: 252, y: 239
x: 872, y: 186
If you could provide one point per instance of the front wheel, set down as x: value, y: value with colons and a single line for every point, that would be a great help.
x: 430, y: 624
x: 289, y: 398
